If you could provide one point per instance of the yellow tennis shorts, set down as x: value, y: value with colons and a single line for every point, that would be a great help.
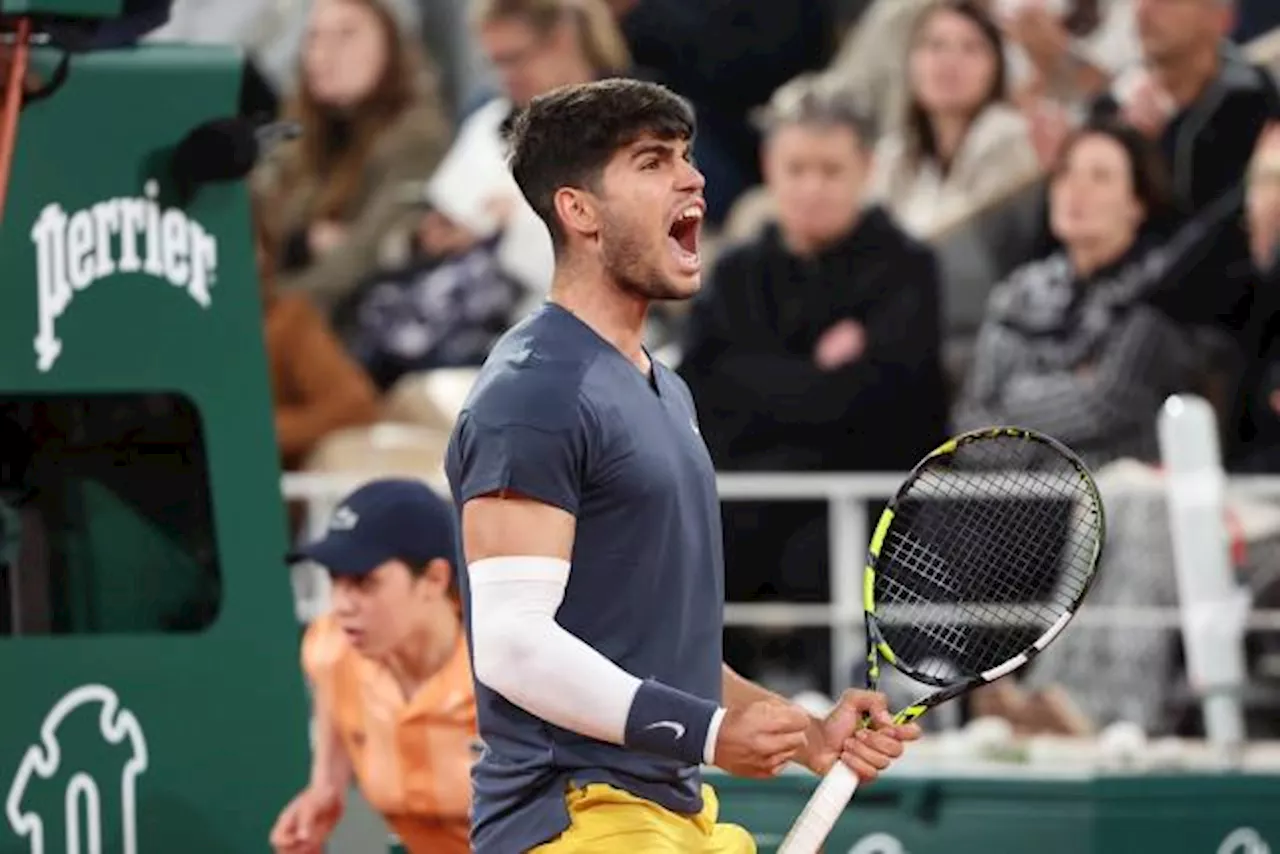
x: 604, y: 819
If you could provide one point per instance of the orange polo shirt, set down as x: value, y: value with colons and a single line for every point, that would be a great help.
x: 413, y: 757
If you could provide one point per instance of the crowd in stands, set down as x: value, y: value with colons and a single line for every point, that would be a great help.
x: 927, y: 215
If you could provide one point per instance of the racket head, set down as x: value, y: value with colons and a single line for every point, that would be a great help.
x: 980, y: 560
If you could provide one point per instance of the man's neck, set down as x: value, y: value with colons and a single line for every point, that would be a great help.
x: 615, y: 315
x: 426, y: 651
x: 1187, y: 79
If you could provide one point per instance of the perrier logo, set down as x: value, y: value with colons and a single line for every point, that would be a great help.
x: 114, y: 237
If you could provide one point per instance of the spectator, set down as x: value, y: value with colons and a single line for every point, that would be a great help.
x: 315, y: 387
x: 1256, y: 446
x: 1205, y: 104
x: 962, y: 144
x: 444, y: 308
x: 1067, y: 49
x: 814, y: 347
x: 1070, y: 345
x: 371, y: 121
x: 536, y: 46
x: 1196, y: 94
x: 832, y: 308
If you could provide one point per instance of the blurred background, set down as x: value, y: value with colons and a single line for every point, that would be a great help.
x: 924, y: 216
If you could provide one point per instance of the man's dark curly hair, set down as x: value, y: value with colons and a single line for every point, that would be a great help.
x: 566, y: 137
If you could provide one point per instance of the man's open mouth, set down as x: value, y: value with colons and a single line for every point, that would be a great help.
x: 685, y: 231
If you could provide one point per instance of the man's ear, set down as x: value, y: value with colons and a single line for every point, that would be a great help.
x: 438, y: 574
x: 577, y: 211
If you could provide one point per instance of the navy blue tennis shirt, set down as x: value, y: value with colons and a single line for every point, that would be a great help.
x: 559, y: 415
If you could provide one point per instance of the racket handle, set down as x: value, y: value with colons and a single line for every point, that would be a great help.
x: 821, y: 813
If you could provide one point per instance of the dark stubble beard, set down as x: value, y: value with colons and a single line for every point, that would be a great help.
x: 632, y: 262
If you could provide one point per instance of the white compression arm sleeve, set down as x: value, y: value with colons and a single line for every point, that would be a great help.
x: 521, y: 652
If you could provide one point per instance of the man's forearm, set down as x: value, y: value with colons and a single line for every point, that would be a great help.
x: 741, y: 691
x: 522, y: 653
x: 330, y: 766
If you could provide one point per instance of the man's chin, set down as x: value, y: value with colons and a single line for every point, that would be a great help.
x: 679, y: 287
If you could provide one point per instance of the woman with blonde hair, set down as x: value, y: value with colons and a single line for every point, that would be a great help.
x: 371, y: 120
x: 535, y: 46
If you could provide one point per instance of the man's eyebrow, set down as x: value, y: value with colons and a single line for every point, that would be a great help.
x: 667, y: 149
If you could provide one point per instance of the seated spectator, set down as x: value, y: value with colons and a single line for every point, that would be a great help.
x: 814, y: 347
x: 371, y: 121
x: 1255, y: 445
x: 315, y: 386
x: 1072, y: 345
x: 444, y: 308
x: 1205, y: 104
x: 1065, y: 49
x: 535, y: 46
x: 963, y: 144
x: 826, y: 325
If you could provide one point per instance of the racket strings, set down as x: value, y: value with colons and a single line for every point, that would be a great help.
x: 989, y: 547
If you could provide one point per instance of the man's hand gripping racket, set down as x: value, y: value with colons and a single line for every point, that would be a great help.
x: 977, y: 564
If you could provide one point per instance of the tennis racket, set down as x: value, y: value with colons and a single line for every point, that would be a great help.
x: 976, y: 565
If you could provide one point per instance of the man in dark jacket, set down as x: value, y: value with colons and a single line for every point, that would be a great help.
x: 815, y: 347
x: 1201, y: 99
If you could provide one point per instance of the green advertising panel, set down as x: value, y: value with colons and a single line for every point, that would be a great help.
x: 69, y: 8
x: 902, y: 814
x: 152, y: 700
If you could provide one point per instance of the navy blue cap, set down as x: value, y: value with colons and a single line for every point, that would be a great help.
x: 386, y: 519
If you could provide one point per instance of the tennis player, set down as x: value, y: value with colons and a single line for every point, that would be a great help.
x: 394, y: 704
x: 591, y: 523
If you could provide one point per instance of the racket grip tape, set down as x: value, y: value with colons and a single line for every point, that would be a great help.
x: 822, y: 812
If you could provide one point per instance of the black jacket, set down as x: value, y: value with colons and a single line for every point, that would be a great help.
x: 764, y: 404
x: 1253, y: 439
x: 1208, y: 147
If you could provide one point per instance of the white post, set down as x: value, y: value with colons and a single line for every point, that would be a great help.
x: 847, y: 521
x: 1214, y: 606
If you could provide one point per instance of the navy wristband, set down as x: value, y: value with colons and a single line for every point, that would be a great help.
x: 669, y: 722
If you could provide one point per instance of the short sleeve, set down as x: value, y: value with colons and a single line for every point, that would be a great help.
x: 545, y: 462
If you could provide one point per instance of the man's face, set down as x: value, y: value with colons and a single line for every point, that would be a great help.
x: 377, y: 611
x: 1169, y: 29
x: 816, y: 175
x: 650, y: 212
x: 528, y: 64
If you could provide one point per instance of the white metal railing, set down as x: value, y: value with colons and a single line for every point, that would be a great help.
x: 848, y: 496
